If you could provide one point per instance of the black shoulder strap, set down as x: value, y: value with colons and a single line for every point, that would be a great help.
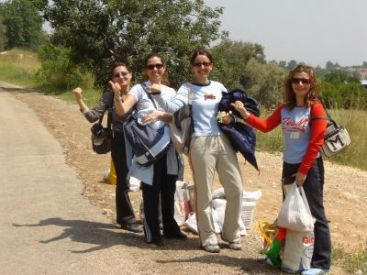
x: 145, y: 88
x: 327, y: 117
x: 109, y: 113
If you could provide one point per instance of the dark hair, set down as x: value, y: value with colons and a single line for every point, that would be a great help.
x: 201, y: 52
x: 118, y: 64
x: 165, y: 80
x: 151, y: 55
x: 312, y: 94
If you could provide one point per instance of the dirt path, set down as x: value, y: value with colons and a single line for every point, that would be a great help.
x: 345, y: 194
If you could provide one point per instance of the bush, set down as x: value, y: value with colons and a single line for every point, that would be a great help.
x: 59, y: 72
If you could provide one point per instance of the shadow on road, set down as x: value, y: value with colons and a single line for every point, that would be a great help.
x: 248, y: 266
x: 104, y: 235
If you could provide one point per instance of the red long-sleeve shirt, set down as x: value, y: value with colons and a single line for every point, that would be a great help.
x: 295, y: 125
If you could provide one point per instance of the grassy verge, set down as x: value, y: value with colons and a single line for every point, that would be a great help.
x: 19, y: 67
x: 353, y: 263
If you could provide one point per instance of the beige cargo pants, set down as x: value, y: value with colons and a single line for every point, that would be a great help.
x: 207, y: 155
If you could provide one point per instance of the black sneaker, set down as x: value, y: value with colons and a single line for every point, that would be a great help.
x: 179, y: 236
x: 157, y: 242
x: 132, y: 227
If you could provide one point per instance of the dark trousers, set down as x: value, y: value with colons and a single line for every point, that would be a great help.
x: 314, y: 189
x: 124, y: 209
x: 163, y: 187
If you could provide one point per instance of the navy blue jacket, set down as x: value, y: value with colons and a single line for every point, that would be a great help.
x: 241, y: 136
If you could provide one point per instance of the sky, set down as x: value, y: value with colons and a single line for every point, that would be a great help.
x: 312, y: 31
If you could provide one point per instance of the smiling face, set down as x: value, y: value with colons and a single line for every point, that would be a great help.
x: 201, y: 68
x: 122, y: 76
x: 155, y: 69
x: 301, y: 84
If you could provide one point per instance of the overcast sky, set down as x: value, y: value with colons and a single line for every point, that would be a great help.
x: 313, y: 31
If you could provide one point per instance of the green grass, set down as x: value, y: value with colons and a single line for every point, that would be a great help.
x: 19, y: 67
x: 351, y: 262
x: 355, y: 122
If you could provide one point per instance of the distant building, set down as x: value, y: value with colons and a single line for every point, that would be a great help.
x: 364, y: 83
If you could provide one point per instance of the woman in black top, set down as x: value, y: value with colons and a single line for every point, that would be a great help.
x: 122, y: 75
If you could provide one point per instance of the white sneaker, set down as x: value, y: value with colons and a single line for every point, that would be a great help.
x: 315, y: 271
x: 212, y: 248
x: 235, y: 246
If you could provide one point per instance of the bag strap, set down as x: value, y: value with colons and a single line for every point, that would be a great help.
x: 327, y: 117
x: 109, y: 114
x: 189, y: 93
x: 145, y: 88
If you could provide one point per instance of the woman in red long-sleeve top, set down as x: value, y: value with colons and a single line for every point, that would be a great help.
x: 302, y: 161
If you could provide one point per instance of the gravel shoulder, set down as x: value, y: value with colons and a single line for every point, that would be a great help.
x: 345, y: 192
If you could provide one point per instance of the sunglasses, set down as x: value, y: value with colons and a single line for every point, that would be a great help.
x: 199, y: 64
x: 303, y: 80
x: 152, y: 66
x: 122, y: 74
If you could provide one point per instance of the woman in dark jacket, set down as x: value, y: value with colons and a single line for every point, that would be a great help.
x: 122, y: 75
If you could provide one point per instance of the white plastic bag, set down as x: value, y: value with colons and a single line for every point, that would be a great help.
x: 298, y: 251
x: 191, y: 223
x: 182, y: 208
x: 295, y: 213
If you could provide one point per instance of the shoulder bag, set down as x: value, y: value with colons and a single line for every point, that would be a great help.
x: 181, y: 126
x: 102, y: 136
x: 336, y: 137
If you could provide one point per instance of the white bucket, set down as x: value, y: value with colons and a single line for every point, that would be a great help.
x: 247, y: 213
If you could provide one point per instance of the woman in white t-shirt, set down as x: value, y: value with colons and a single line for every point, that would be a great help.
x: 159, y: 179
x: 210, y: 151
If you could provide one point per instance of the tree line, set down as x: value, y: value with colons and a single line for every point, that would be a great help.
x: 89, y: 35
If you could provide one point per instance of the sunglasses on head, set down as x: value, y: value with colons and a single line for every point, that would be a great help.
x: 296, y: 80
x: 199, y: 64
x: 122, y: 74
x: 152, y: 66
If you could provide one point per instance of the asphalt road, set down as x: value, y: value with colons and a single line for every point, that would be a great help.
x: 46, y: 225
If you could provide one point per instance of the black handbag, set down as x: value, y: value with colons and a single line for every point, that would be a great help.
x: 102, y: 136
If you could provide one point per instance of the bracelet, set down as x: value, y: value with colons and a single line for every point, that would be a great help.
x: 118, y: 98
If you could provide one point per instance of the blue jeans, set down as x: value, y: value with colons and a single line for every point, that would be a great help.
x: 314, y: 189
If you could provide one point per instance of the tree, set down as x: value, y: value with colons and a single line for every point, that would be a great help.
x: 267, y: 82
x: 242, y: 65
x: 340, y: 76
x: 99, y: 31
x: 231, y: 58
x: 341, y: 90
x: 3, y: 39
x: 23, y: 24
